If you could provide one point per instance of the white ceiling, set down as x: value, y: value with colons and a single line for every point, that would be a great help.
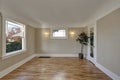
x: 73, y: 13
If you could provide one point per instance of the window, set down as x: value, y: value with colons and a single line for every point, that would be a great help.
x: 59, y: 33
x: 15, y: 36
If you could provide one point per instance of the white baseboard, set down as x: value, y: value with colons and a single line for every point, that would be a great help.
x: 91, y: 59
x: 57, y: 55
x: 10, y: 69
x: 107, y: 72
x: 15, y: 66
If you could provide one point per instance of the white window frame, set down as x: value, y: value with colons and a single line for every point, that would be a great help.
x: 52, y: 29
x: 10, y: 54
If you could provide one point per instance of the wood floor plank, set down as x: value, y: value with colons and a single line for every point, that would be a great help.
x: 57, y: 69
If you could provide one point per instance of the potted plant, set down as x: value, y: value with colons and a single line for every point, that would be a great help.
x: 83, y: 40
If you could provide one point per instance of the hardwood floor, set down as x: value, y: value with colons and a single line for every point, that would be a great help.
x: 57, y: 69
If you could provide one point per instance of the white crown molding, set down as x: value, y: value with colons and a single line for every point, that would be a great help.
x: 15, y: 66
x: 103, y: 11
x: 16, y: 17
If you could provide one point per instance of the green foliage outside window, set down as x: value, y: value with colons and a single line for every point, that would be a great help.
x: 13, y: 46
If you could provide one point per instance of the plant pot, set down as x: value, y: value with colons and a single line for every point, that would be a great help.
x: 81, y: 55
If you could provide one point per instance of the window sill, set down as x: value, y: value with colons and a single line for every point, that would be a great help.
x: 11, y: 54
x: 59, y: 37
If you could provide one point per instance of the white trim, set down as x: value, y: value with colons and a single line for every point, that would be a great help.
x: 57, y: 54
x: 17, y: 17
x: 91, y: 59
x: 3, y: 37
x: 7, y: 55
x: 13, y: 67
x: 13, y: 54
x: 93, y: 25
x: 95, y: 42
x: 107, y: 72
x: 61, y: 28
x: 103, y: 11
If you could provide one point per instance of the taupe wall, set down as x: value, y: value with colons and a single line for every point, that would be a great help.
x: 0, y: 5
x: 5, y: 63
x: 0, y: 35
x: 44, y: 44
x: 108, y: 41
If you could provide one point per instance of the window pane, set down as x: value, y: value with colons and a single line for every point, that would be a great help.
x: 59, y: 33
x: 14, y: 35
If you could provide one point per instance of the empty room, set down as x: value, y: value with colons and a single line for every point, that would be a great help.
x: 59, y: 39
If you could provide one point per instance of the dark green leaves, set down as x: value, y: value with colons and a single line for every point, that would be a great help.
x: 82, y: 38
